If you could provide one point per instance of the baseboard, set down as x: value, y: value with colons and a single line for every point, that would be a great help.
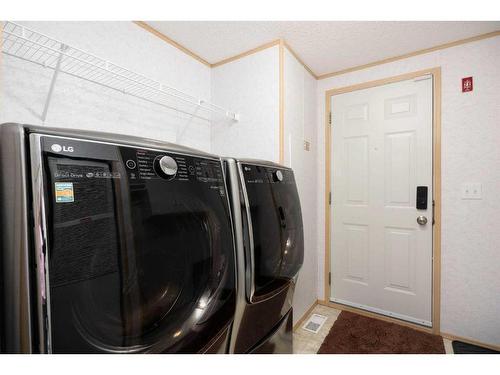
x: 467, y: 340
x: 304, y: 317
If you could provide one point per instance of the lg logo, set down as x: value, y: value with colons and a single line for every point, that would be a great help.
x: 58, y: 148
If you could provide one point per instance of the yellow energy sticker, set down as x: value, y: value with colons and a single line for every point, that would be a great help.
x: 64, y: 192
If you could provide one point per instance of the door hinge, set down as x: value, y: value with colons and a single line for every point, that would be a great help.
x: 330, y: 118
x: 329, y: 278
x: 330, y: 198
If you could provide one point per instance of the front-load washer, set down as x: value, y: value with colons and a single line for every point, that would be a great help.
x: 112, y: 244
x: 270, y: 251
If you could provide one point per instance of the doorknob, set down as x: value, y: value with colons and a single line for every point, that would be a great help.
x: 422, y: 220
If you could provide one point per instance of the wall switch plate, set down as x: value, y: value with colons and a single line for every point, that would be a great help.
x: 472, y: 190
x: 307, y: 145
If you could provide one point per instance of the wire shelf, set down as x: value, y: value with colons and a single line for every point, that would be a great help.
x: 32, y: 46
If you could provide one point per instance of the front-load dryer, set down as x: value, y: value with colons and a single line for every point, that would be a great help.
x: 112, y: 244
x: 270, y: 251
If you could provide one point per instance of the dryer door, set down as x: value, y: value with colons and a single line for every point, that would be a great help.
x: 274, y: 222
x: 139, y: 260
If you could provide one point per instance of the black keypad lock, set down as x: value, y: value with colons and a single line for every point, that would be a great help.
x: 422, y: 192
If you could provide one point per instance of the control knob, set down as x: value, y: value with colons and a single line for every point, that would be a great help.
x: 278, y: 176
x: 165, y: 166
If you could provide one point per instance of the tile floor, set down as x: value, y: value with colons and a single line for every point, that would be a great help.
x: 305, y: 342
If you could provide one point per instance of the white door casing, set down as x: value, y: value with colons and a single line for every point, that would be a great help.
x: 381, y: 258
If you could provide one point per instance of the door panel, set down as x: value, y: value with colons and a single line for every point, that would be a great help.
x: 357, y: 249
x: 400, y: 165
x: 356, y: 159
x: 381, y: 151
x: 400, y: 260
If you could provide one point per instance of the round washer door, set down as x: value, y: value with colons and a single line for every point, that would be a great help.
x: 138, y: 266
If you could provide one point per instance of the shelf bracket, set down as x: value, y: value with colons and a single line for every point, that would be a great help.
x: 53, y: 82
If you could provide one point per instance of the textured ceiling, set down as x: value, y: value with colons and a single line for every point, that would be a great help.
x: 323, y: 46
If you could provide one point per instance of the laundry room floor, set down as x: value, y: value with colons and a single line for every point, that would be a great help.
x: 305, y: 342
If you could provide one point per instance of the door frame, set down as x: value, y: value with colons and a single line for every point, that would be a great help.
x: 436, y: 178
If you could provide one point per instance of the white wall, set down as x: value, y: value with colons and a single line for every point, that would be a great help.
x: 78, y: 104
x: 470, y: 254
x: 249, y: 86
x: 300, y: 126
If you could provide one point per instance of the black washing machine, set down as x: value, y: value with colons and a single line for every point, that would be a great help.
x: 132, y: 249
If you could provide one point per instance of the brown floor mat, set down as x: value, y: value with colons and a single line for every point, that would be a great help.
x: 356, y: 334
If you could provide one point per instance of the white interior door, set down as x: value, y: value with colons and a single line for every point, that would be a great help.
x: 381, y: 151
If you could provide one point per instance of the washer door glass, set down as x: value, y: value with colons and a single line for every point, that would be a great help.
x: 136, y: 266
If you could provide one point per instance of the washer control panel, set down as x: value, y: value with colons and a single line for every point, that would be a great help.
x: 153, y: 165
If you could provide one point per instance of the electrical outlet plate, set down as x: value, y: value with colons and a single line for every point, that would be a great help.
x: 472, y: 190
